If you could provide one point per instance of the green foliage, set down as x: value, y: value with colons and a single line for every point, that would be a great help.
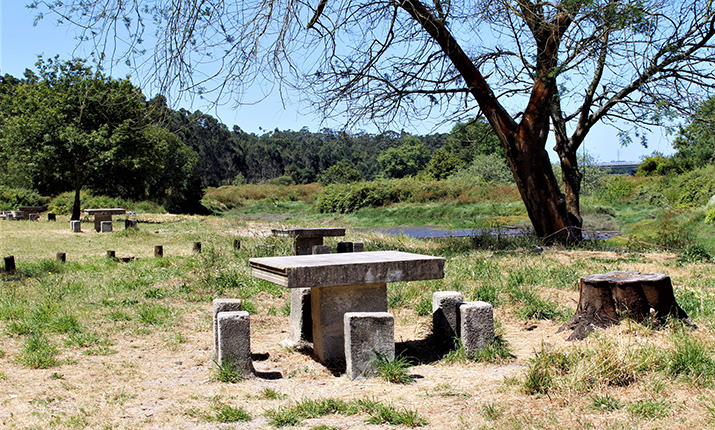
x: 227, y: 372
x: 605, y: 403
x: 313, y: 408
x: 340, y: 173
x: 650, y: 408
x: 230, y: 414
x: 347, y: 198
x: 467, y: 140
x: 486, y: 168
x: 38, y: 352
x: 442, y: 165
x: 613, y: 189
x: 690, y: 359
x: 75, y: 127
x: 283, y: 181
x: 12, y: 198
x: 404, y: 161
x: 271, y: 394
x: 696, y: 141
x: 659, y: 165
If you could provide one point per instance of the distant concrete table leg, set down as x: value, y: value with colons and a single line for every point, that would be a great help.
x: 304, y: 245
x: 98, y: 221
x: 329, y: 305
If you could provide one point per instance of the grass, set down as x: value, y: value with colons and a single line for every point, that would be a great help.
x: 393, y: 370
x: 227, y: 372
x: 38, y: 352
x: 92, y: 313
x: 378, y: 412
x: 230, y: 414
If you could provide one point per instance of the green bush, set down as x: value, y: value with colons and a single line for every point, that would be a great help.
x: 281, y: 180
x: 489, y: 168
x: 11, y: 198
x: 659, y: 165
x: 347, y: 198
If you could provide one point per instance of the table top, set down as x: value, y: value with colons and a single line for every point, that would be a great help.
x: 308, y: 232
x: 350, y: 268
x: 107, y: 211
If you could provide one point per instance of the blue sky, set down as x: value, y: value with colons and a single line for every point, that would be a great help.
x: 21, y: 43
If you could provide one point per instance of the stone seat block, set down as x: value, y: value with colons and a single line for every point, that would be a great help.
x: 445, y: 321
x: 476, y: 325
x: 222, y: 305
x: 367, y: 336
x: 234, y: 341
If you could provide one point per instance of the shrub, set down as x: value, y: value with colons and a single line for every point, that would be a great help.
x: 340, y: 173
x: 11, y: 198
x: 489, y: 168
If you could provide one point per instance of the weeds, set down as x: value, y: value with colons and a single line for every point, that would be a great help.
x: 379, y: 413
x: 271, y: 394
x: 227, y: 372
x: 650, y: 408
x: 605, y: 403
x: 38, y: 352
x: 492, y: 412
x: 394, y: 371
x: 229, y: 414
x: 690, y: 359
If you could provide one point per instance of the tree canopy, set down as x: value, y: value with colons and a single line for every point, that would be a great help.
x: 69, y: 127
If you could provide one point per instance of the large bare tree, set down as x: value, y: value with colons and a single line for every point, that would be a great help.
x: 530, y: 67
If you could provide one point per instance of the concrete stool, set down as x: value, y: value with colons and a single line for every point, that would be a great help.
x: 75, y: 227
x: 106, y: 226
x: 223, y: 305
x: 476, y: 325
x: 234, y: 341
x: 320, y: 249
x: 367, y: 334
x: 445, y: 306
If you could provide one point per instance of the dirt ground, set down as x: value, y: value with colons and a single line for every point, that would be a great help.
x: 164, y: 379
x: 147, y: 385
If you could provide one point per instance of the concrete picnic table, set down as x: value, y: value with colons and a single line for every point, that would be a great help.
x: 340, y: 283
x: 103, y: 215
x: 306, y: 238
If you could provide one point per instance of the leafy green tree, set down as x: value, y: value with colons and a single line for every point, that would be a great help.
x: 405, y: 160
x: 341, y: 172
x: 696, y: 141
x: 443, y: 164
x: 74, y: 127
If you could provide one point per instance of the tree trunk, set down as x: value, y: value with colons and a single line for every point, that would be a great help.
x: 545, y: 204
x: 572, y: 178
x: 76, y: 208
x: 605, y: 299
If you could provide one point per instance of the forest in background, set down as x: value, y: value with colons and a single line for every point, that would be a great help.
x: 69, y: 128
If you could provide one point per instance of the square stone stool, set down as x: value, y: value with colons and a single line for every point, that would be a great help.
x: 367, y: 335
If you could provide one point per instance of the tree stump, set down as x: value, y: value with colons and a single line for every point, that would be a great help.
x: 606, y: 298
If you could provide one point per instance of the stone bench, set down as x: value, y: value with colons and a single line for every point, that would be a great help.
x: 234, y: 341
x: 341, y: 283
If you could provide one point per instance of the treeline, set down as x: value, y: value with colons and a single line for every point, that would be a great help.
x: 71, y: 128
